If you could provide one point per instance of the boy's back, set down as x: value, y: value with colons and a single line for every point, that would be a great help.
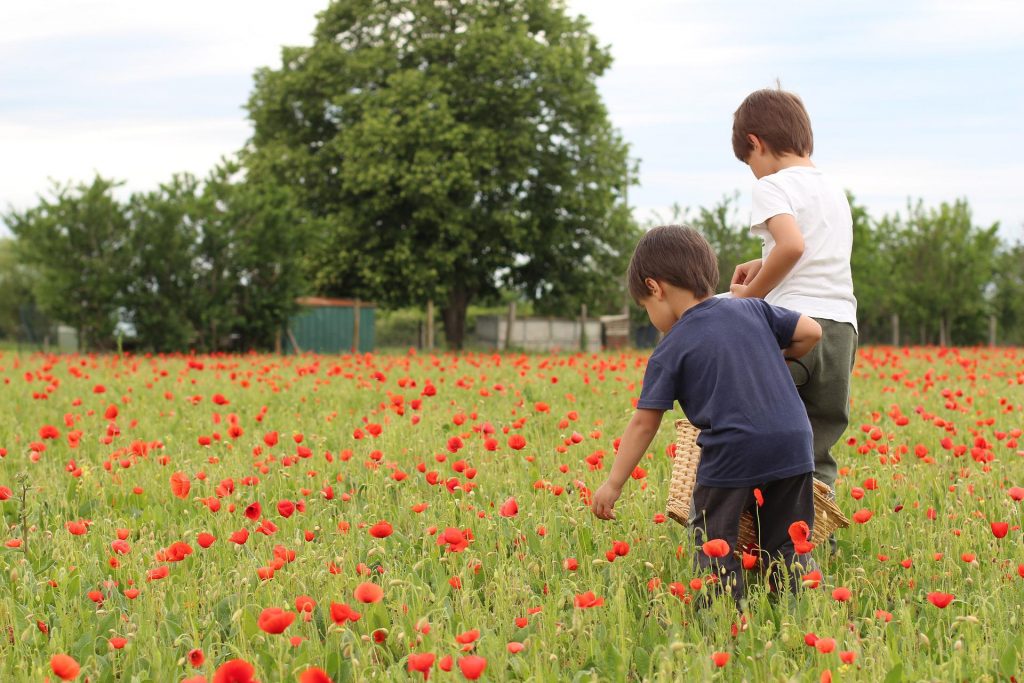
x: 820, y: 284
x: 722, y: 362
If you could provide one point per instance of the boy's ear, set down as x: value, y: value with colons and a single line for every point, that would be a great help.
x: 756, y: 144
x: 654, y: 287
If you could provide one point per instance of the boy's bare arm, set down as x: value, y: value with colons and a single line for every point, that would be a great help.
x: 789, y: 247
x: 637, y: 438
x: 805, y: 336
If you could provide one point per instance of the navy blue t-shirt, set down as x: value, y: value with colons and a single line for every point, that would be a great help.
x: 722, y: 362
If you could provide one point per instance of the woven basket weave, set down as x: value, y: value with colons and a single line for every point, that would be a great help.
x: 827, y: 515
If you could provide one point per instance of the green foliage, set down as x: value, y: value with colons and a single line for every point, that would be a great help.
x: 16, y: 281
x: 942, y: 267
x: 211, y: 266
x: 448, y: 148
x: 76, y: 239
x: 873, y: 267
x: 1008, y: 296
x: 160, y: 288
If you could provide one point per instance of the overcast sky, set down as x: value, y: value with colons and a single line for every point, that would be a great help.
x: 908, y: 99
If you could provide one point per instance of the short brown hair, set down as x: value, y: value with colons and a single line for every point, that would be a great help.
x: 676, y: 254
x: 778, y: 118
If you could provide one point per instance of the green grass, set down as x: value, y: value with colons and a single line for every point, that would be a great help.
x: 212, y: 598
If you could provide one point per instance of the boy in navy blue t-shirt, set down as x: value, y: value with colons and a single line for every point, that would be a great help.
x: 723, y: 360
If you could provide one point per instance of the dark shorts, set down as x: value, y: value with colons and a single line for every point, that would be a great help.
x: 717, y: 515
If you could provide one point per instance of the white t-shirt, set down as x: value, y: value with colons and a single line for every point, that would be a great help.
x: 820, y: 284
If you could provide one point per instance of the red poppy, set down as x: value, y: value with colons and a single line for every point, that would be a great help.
x: 862, y: 516
x: 64, y: 667
x: 196, y: 657
x: 117, y: 642
x: 472, y: 667
x: 847, y: 656
x: 340, y: 613
x: 381, y: 530
x: 716, y: 547
x: 304, y: 603
x: 939, y: 599
x: 517, y: 442
x: 1000, y: 529
x: 253, y: 511
x: 275, y: 620
x: 467, y: 637
x: 825, y: 645
x: 812, y: 579
x: 239, y: 537
x: 285, y: 508
x: 180, y: 484
x: 234, y: 671
x: 841, y: 594
x: 587, y: 600
x: 720, y: 658
x: 749, y: 561
x: 314, y: 675
x: 158, y: 573
x: 421, y: 662
x: 509, y: 508
x: 799, y: 532
x: 76, y: 528
x: 205, y: 540
x: 368, y: 592
x: 515, y: 648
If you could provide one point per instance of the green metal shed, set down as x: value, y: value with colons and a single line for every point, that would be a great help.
x: 330, y: 326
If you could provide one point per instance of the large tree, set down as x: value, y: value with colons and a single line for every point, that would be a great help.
x: 76, y: 239
x: 942, y: 270
x: 447, y: 148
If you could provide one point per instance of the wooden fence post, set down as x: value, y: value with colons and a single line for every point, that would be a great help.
x: 355, y: 327
x: 430, y: 325
x: 583, y: 327
x: 510, y: 324
x: 895, y: 329
x: 991, y: 330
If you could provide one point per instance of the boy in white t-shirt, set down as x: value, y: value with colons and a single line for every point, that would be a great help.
x: 807, y: 231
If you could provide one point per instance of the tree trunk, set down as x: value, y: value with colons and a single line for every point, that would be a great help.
x: 454, y: 314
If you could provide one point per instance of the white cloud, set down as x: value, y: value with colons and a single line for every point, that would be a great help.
x: 143, y: 155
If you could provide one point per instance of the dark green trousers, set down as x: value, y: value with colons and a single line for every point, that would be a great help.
x: 823, y: 379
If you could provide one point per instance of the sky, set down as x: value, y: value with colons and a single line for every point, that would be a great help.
x: 917, y: 99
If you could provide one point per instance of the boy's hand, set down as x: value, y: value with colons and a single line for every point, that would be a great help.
x: 739, y: 291
x: 745, y: 272
x: 604, y: 500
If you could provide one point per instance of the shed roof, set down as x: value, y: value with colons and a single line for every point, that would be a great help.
x: 324, y: 302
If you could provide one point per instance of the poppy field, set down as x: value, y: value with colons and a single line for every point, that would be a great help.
x: 417, y: 516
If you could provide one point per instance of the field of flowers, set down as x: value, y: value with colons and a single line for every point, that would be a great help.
x: 378, y: 517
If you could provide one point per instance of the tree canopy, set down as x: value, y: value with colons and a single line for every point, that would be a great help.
x: 447, y: 149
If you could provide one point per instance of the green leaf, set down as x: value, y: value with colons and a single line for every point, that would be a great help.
x: 1008, y: 660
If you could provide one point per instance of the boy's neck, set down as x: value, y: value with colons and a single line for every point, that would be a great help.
x: 682, y: 300
x: 789, y: 160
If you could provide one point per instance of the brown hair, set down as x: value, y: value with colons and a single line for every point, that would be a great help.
x: 675, y: 254
x: 778, y: 118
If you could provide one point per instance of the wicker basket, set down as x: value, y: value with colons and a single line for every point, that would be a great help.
x: 827, y: 515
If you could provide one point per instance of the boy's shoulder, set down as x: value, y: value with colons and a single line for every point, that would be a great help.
x: 792, y: 176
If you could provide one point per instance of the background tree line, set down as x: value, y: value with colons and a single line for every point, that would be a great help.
x: 434, y: 152
x: 217, y: 265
